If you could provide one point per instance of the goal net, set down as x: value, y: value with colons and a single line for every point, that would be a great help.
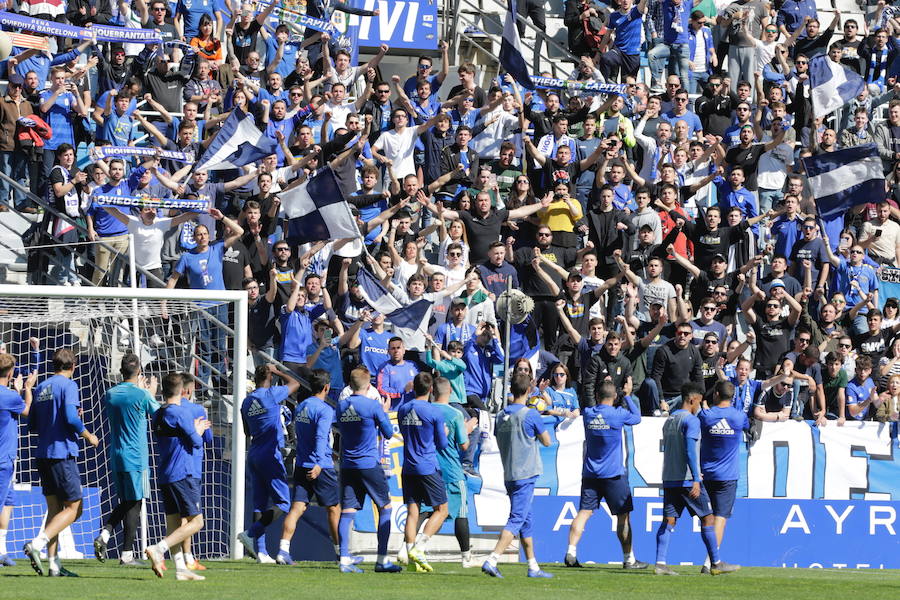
x: 170, y: 330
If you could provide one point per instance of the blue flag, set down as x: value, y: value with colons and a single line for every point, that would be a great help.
x: 374, y: 293
x: 317, y: 210
x: 511, y: 51
x: 239, y: 142
x: 411, y: 322
x: 832, y: 85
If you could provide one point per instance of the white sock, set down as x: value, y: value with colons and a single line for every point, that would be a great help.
x: 493, y: 559
x: 104, y: 535
x: 533, y: 565
x: 127, y: 556
x: 381, y: 559
x: 285, y: 546
x: 40, y: 542
x: 163, y: 547
x: 337, y: 547
x: 3, y: 541
x: 180, y: 564
x: 628, y: 557
x: 572, y: 550
x: 189, y: 558
x: 55, y: 565
x: 409, y: 546
x: 346, y: 560
x: 707, y: 563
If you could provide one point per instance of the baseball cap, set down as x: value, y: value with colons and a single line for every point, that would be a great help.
x: 16, y: 79
x: 575, y: 274
x: 776, y: 283
x: 457, y: 302
x: 719, y: 256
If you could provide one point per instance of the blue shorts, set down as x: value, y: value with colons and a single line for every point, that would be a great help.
x: 60, y: 478
x: 521, y: 493
x: 269, y: 482
x: 324, y: 488
x: 7, y: 476
x: 676, y: 499
x: 132, y: 485
x: 457, y: 499
x: 357, y: 483
x: 721, y: 496
x: 424, y: 489
x: 182, y: 497
x: 615, y: 490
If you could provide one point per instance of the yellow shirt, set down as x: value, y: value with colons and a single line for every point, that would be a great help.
x: 559, y: 216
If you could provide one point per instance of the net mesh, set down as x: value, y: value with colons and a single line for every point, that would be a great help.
x: 101, y: 331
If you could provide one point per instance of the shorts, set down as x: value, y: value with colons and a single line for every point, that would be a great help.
x: 356, y: 484
x: 521, y: 494
x: 615, y: 490
x: 132, y: 485
x: 457, y: 499
x: 424, y: 489
x: 721, y: 496
x: 60, y: 478
x: 269, y: 482
x: 7, y: 477
x: 324, y: 488
x: 676, y: 499
x: 182, y: 497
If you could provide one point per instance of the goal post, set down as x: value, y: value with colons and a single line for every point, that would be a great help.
x: 169, y: 329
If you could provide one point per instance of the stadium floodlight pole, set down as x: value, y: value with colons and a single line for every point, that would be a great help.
x: 506, y: 328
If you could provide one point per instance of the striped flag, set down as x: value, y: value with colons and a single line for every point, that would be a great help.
x: 29, y: 42
x: 317, y: 210
x: 832, y: 85
x: 239, y: 142
x: 511, y: 51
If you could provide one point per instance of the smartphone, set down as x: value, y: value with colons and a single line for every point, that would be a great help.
x: 328, y: 335
x: 877, y: 233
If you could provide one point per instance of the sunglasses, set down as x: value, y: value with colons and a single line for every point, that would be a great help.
x: 454, y: 254
x: 684, y: 333
x: 544, y: 234
x: 809, y: 227
x: 559, y: 374
x: 844, y: 346
x: 801, y: 62
x: 282, y: 249
x: 709, y: 308
x: 803, y: 340
x: 856, y: 252
x: 710, y: 341
x: 773, y: 306
x: 382, y: 91
x: 522, y: 181
x: 681, y: 99
x: 771, y: 31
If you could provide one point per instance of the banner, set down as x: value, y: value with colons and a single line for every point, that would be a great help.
x: 130, y: 201
x: 29, y: 42
x: 119, y: 151
x: 578, y: 86
x: 104, y: 33
x: 409, y: 25
x: 888, y: 284
x: 807, y: 497
x: 296, y: 18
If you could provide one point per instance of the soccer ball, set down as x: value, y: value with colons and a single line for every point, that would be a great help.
x: 537, y: 402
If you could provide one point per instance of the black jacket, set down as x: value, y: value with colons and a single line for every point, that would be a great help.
x: 602, y: 365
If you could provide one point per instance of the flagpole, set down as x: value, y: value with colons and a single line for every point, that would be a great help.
x: 506, y: 329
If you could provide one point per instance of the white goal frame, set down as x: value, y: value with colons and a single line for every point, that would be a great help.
x: 237, y: 298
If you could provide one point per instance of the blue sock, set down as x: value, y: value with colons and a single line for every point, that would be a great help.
x: 384, y: 530
x: 256, y: 530
x: 261, y: 543
x: 709, y: 538
x: 344, y: 532
x: 663, y: 535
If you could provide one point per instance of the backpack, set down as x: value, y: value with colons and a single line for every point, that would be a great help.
x: 594, y: 28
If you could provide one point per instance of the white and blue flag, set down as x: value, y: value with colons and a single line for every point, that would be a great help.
x: 239, y: 142
x: 317, y: 210
x: 375, y: 294
x: 410, y: 323
x: 832, y: 85
x: 511, y: 50
x: 843, y: 179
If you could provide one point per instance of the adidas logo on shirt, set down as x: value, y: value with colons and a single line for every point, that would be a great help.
x: 350, y: 415
x: 412, y: 419
x: 598, y: 422
x: 256, y: 409
x: 303, y: 417
x: 721, y: 428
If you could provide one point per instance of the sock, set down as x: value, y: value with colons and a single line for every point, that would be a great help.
x: 628, y: 557
x: 706, y: 562
x: 3, y: 533
x: 256, y: 530
x: 261, y: 547
x: 180, y: 564
x: 533, y: 565
x: 189, y: 558
x: 104, y: 535
x: 55, y: 565
x: 337, y: 549
x: 163, y: 547
x: 461, y: 530
x: 381, y: 559
x: 409, y: 546
x: 40, y: 542
x: 130, y: 525
x: 493, y: 559
x: 663, y: 535
x: 709, y: 538
x: 127, y: 556
x: 572, y: 550
x: 344, y: 526
x: 285, y: 546
x: 384, y: 530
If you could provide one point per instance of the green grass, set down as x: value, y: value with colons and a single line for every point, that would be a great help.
x: 320, y: 581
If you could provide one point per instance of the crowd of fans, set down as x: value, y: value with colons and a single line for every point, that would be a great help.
x: 665, y: 235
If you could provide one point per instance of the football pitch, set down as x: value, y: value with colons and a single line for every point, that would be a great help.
x: 245, y: 579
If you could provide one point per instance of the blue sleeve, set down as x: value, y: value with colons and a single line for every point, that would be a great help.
x: 498, y: 351
x: 534, y: 424
x: 135, y: 178
x: 316, y: 311
x: 64, y: 58
x: 73, y: 419
x: 691, y: 435
x: 323, y: 425
x: 208, y: 434
x: 634, y: 411
x: 440, y: 433
x: 384, y: 422
x: 746, y: 423
x: 440, y: 335
x: 186, y: 426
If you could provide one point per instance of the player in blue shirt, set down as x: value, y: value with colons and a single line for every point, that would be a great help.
x: 261, y: 414
x: 314, y: 474
x: 196, y: 411
x: 127, y: 406
x: 396, y: 375
x: 360, y: 419
x: 722, y: 430
x: 178, y: 436
x: 518, y: 431
x: 424, y: 436
x: 681, y: 481
x: 54, y: 419
x: 603, y: 475
x: 15, y: 402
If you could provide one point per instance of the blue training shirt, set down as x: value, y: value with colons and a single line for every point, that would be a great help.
x: 261, y: 411
x: 681, y: 438
x: 359, y: 420
x: 11, y: 406
x: 628, y: 30
x: 176, y: 441
x: 721, y: 434
x: 312, y: 423
x: 203, y: 269
x: 603, y: 424
x: 196, y: 410
x: 423, y: 436
x: 54, y: 418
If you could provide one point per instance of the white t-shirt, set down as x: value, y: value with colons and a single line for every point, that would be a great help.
x: 339, y: 114
x: 148, y: 241
x: 399, y: 148
x: 660, y: 292
x: 771, y: 172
